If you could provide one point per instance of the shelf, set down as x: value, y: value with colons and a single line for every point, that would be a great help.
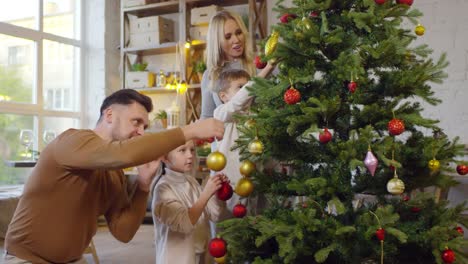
x: 169, y: 47
x: 153, y: 9
x: 173, y: 7
x: 195, y: 3
x: 151, y: 90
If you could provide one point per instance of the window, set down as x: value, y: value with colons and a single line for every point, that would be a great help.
x: 40, y: 78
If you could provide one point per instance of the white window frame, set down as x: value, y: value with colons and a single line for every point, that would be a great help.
x: 37, y: 108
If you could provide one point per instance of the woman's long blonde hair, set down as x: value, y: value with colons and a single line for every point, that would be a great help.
x: 215, y: 58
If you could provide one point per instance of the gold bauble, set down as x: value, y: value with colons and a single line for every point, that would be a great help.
x: 255, y: 147
x: 216, y: 161
x: 434, y: 165
x: 395, y: 186
x: 246, y: 167
x: 244, y: 187
x: 220, y: 260
x: 306, y: 23
x: 250, y: 123
x: 419, y: 30
x: 272, y: 42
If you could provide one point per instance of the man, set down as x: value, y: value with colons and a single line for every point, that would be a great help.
x: 79, y: 176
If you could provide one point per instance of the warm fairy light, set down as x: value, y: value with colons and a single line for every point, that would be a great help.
x: 182, y: 87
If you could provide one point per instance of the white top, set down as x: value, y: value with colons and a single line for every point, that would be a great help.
x: 225, y: 112
x: 176, y: 239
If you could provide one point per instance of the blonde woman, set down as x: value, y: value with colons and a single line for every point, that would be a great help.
x: 228, y: 47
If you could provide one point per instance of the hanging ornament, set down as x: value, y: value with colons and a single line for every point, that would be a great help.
x: 380, y: 234
x: 462, y: 169
x: 380, y: 2
x: 306, y: 23
x: 255, y: 147
x: 246, y: 167
x: 448, y: 256
x: 259, y: 64
x: 285, y: 18
x: 419, y: 30
x: 460, y: 230
x: 325, y: 136
x: 396, y: 127
x: 395, y: 185
x: 216, y: 161
x: 272, y: 42
x: 250, y: 123
x: 224, y: 192
x: 434, y: 165
x: 239, y: 210
x: 405, y: 2
x: 313, y: 14
x: 220, y: 260
x: 352, y: 86
x: 292, y: 96
x: 371, y: 162
x: 244, y: 187
x: 217, y: 247
x: 415, y: 209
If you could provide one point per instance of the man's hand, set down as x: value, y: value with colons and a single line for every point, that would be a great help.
x: 146, y: 173
x: 202, y: 129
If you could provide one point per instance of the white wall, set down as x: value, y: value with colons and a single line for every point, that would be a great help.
x: 446, y: 26
x: 102, y: 33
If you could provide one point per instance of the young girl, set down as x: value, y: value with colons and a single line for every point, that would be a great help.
x: 181, y: 210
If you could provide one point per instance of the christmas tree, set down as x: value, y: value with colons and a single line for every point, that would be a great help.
x: 342, y: 123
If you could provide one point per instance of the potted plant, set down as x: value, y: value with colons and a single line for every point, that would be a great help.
x: 139, y: 66
x: 162, y: 117
x: 199, y: 68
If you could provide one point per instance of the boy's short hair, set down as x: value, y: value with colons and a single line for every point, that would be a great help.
x: 227, y: 76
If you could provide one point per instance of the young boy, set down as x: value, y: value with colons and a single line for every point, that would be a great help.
x: 232, y: 90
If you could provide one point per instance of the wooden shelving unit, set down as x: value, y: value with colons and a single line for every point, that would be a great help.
x: 182, y: 9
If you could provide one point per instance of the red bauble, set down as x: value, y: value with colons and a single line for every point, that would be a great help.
x: 460, y: 230
x: 239, y: 210
x: 380, y: 234
x: 224, y: 193
x: 415, y: 209
x: 292, y: 96
x: 217, y: 247
x: 448, y: 256
x: 259, y: 63
x: 352, y: 86
x: 313, y: 14
x: 380, y: 2
x: 199, y: 142
x: 462, y: 169
x: 287, y: 17
x: 396, y: 127
x: 325, y: 136
x: 405, y: 2
x: 406, y: 198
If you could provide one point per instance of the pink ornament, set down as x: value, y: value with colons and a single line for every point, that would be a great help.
x: 371, y: 162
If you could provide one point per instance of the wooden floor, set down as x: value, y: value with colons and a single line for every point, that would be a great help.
x: 139, y: 250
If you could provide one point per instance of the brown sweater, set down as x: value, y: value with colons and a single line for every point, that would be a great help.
x: 77, y: 178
